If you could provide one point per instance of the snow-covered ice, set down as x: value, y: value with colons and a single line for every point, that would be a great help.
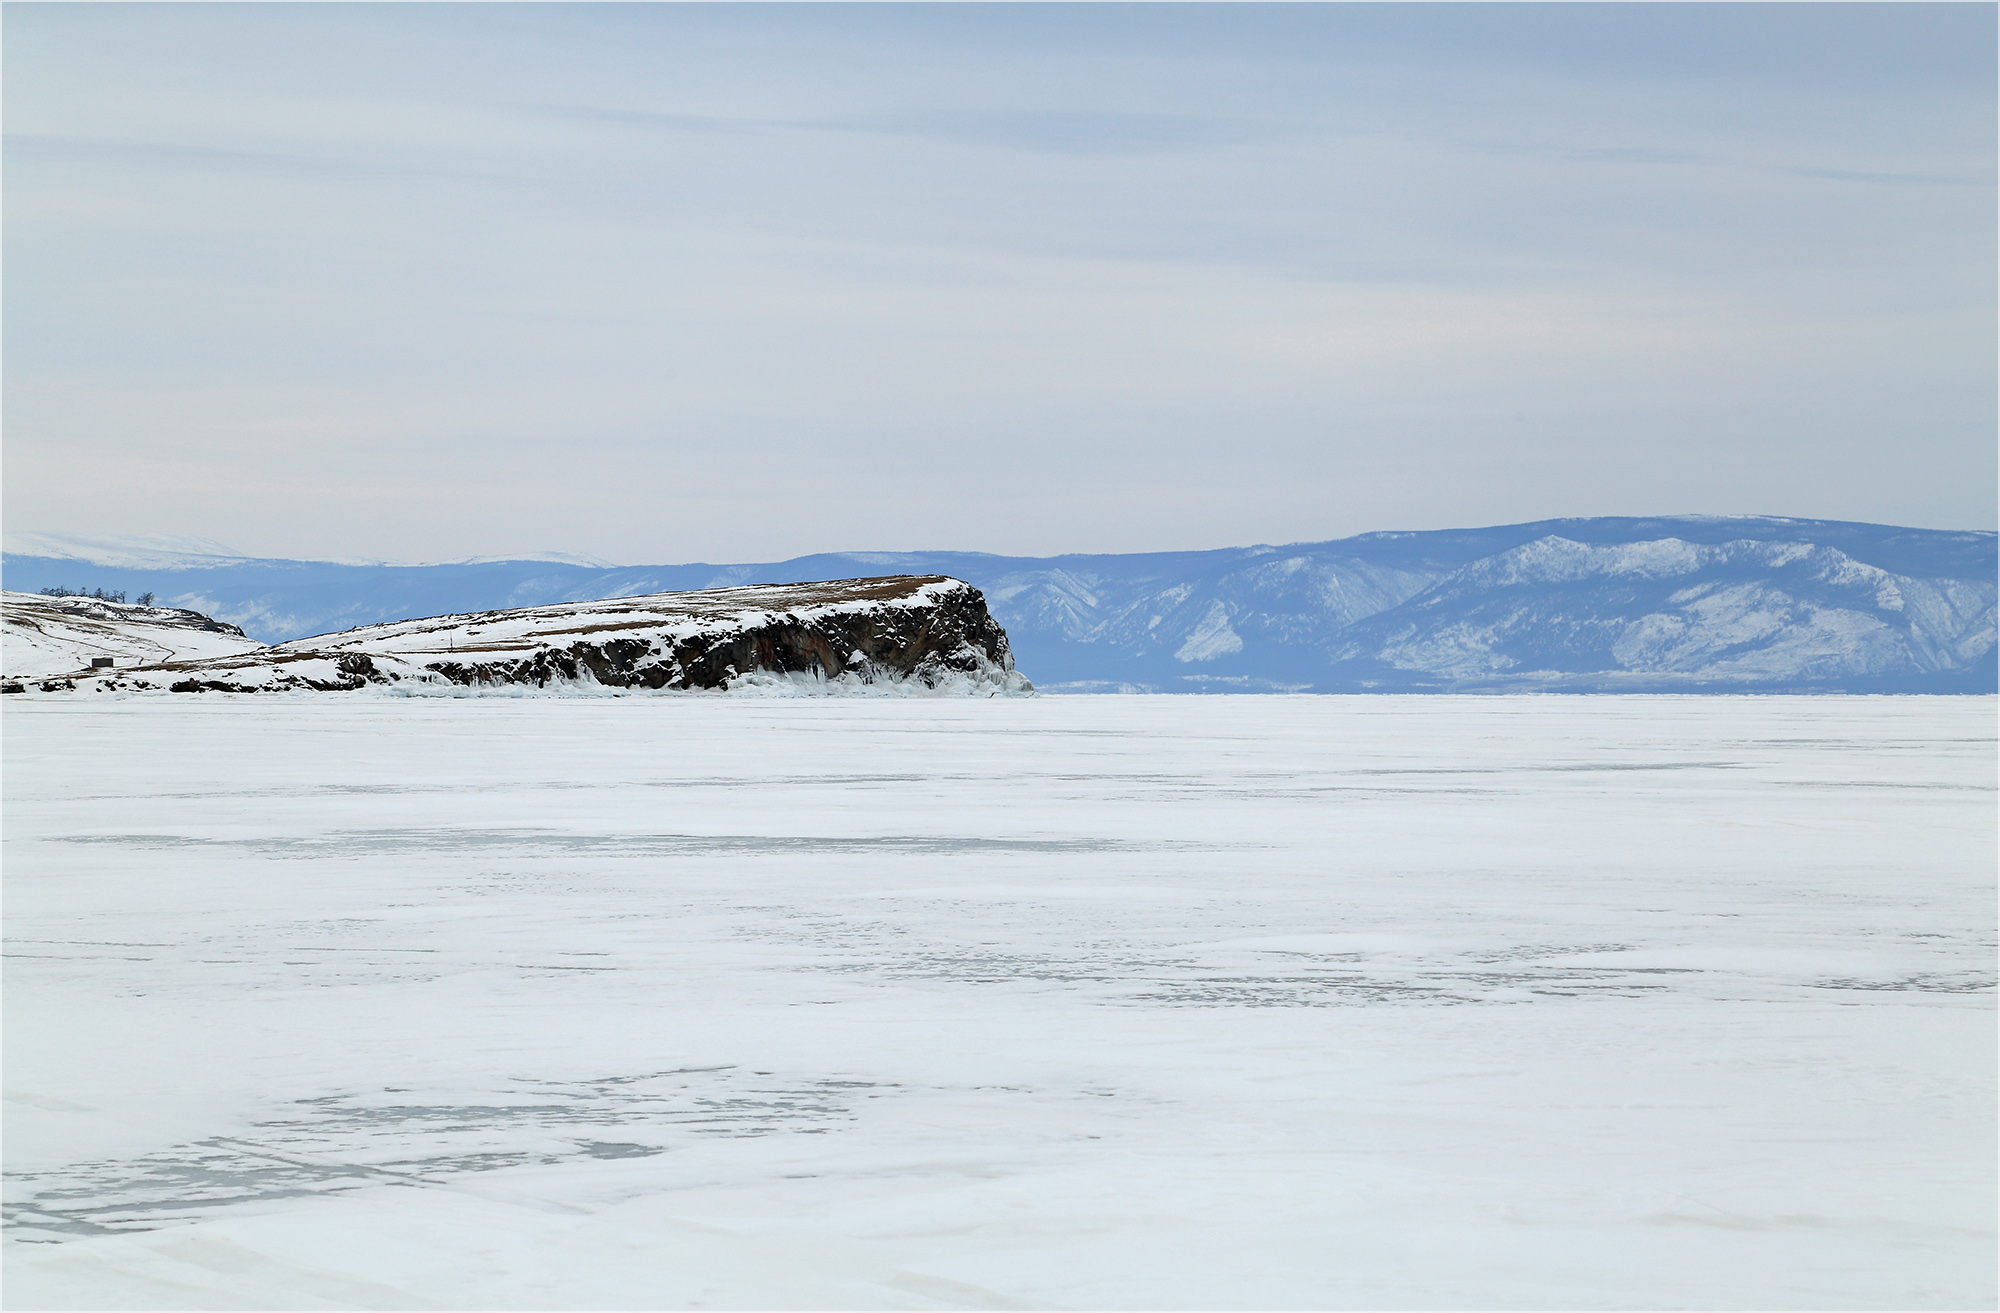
x: 1115, y: 1002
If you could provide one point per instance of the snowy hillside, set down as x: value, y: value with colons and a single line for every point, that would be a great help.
x: 57, y: 635
x: 1783, y: 604
x: 900, y: 634
x: 1561, y: 614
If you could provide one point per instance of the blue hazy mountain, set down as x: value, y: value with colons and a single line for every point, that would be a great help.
x: 1587, y: 605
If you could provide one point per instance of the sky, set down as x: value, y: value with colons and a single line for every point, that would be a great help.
x: 664, y: 282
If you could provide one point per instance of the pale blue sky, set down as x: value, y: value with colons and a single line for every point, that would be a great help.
x: 672, y: 282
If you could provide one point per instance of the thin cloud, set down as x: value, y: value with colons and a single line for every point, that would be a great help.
x: 1067, y: 132
x: 1031, y: 278
x: 207, y: 159
x: 1667, y: 156
x: 1889, y: 179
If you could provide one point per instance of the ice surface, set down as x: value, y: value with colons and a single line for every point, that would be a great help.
x: 1119, y: 1002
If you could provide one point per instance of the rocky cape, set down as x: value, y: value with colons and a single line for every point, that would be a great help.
x: 1615, y: 604
x: 893, y: 634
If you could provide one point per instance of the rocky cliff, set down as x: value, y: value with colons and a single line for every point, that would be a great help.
x: 913, y: 634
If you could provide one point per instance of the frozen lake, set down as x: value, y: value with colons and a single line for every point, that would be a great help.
x: 1108, y: 1002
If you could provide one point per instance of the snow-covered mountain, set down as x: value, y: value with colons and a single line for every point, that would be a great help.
x: 151, y: 551
x: 136, y: 551
x: 1667, y: 603
x: 1666, y: 613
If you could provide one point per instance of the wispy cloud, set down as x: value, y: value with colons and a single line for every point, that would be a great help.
x: 728, y: 281
x: 1069, y: 132
x: 1661, y: 155
x: 1888, y: 179
x: 1635, y: 155
x: 176, y: 156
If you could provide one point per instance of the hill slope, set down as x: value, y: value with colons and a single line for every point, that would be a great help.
x: 56, y: 635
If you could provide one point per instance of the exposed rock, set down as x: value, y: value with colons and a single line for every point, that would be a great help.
x: 899, y: 634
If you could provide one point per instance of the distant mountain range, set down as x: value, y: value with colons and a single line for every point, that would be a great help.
x: 1672, y: 604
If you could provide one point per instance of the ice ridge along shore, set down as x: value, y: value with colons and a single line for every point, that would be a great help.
x: 888, y: 635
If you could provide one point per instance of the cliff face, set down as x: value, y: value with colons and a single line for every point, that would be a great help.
x: 932, y: 630
x: 927, y: 634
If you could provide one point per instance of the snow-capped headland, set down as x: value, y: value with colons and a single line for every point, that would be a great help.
x: 1680, y: 604
x: 899, y: 634
x: 54, y: 636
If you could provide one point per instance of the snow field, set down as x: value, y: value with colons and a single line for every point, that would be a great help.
x: 1115, y: 1002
